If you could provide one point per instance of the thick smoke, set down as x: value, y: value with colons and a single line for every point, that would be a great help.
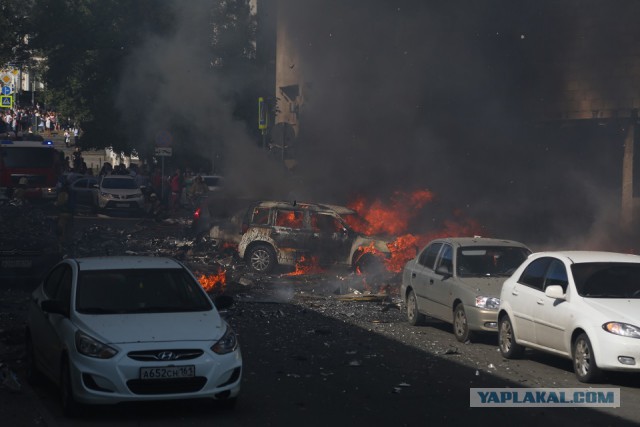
x: 445, y: 96
x: 169, y: 84
x: 405, y: 95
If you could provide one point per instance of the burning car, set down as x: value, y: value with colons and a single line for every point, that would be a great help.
x: 271, y: 233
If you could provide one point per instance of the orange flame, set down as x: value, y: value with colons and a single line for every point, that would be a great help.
x: 219, y: 280
x: 306, y: 266
x: 291, y: 219
x: 394, y: 219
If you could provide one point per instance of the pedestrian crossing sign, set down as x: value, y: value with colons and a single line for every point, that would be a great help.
x: 6, y: 101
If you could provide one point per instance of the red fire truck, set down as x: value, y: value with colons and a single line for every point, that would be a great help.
x: 38, y: 162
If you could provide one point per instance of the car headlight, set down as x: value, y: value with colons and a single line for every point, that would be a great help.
x: 489, y: 303
x: 623, y: 329
x: 91, y: 347
x: 106, y: 195
x: 226, y: 344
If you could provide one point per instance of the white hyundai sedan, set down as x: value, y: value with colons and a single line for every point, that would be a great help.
x: 117, y: 329
x: 583, y: 305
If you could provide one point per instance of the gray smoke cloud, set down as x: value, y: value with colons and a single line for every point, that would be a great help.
x: 415, y: 94
x: 439, y: 95
x: 169, y: 83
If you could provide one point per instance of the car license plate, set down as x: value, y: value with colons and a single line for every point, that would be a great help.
x: 16, y: 263
x: 122, y: 205
x: 167, y: 372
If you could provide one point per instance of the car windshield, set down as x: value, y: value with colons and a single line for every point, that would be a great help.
x: 139, y: 291
x: 482, y: 261
x: 607, y: 279
x: 119, y: 183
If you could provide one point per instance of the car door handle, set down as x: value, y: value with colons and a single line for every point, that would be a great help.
x: 413, y: 275
x: 540, y: 302
x: 515, y: 293
x: 431, y: 281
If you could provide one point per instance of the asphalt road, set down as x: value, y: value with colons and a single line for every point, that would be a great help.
x: 312, y: 359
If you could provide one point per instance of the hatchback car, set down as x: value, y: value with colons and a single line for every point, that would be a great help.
x: 119, y: 193
x: 125, y: 329
x: 582, y: 305
x: 458, y: 280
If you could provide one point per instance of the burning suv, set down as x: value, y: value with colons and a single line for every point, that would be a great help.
x: 283, y: 233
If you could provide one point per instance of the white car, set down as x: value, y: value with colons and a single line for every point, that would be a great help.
x: 582, y: 305
x: 120, y: 329
x: 119, y: 193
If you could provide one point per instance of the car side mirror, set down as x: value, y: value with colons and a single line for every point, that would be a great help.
x: 55, y: 307
x: 444, y: 270
x: 555, y: 291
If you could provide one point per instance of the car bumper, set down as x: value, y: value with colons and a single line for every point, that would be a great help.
x: 120, y: 205
x: 613, y: 351
x: 480, y: 319
x: 116, y: 380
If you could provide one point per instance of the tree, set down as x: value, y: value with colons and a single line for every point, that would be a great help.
x: 13, y: 29
x: 84, y: 43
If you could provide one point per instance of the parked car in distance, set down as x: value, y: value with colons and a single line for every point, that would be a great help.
x: 214, y: 182
x: 84, y: 193
x: 119, y: 193
x: 458, y: 280
x: 124, y: 329
x: 582, y: 305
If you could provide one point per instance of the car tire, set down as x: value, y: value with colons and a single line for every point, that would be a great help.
x: 70, y: 407
x: 368, y: 264
x: 460, y: 324
x: 261, y: 258
x: 509, y: 348
x: 33, y: 374
x: 584, y: 361
x: 414, y: 317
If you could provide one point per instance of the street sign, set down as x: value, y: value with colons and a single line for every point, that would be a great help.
x: 6, y: 78
x: 6, y: 101
x: 163, y: 151
x: 164, y: 139
x: 6, y: 90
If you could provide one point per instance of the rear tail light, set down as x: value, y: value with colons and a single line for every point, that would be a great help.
x: 196, y: 214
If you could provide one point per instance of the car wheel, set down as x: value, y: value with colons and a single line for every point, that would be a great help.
x: 261, y: 258
x: 368, y: 264
x: 584, y: 362
x: 70, y: 407
x: 413, y: 315
x: 33, y: 374
x: 509, y: 348
x: 460, y: 324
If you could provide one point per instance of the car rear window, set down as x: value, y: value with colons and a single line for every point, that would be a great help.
x: 478, y: 261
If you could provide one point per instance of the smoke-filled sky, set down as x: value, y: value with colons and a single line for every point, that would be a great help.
x: 418, y: 94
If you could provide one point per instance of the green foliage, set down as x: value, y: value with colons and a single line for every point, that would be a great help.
x: 85, y: 43
x: 14, y: 18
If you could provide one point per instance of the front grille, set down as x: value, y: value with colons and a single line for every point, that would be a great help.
x: 167, y: 386
x: 165, y: 355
